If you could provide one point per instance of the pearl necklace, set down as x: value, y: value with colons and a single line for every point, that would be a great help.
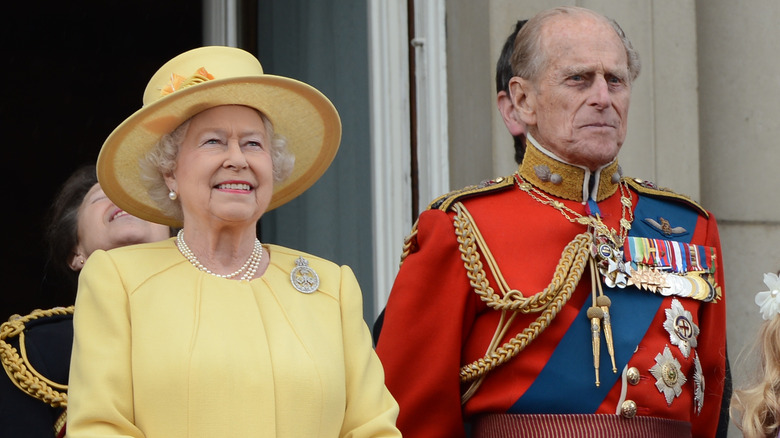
x: 250, y: 266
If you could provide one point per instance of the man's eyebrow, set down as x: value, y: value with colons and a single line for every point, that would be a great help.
x: 576, y: 70
x: 621, y: 73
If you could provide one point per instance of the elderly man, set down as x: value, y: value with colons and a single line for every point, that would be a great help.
x: 565, y: 298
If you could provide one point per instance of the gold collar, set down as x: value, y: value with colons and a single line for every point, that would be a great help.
x: 565, y: 180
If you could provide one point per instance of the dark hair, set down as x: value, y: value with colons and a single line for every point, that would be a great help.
x: 504, y: 65
x: 504, y: 74
x: 62, y: 232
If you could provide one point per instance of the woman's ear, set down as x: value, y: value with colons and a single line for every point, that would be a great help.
x: 170, y: 181
x: 76, y: 260
x: 523, y: 96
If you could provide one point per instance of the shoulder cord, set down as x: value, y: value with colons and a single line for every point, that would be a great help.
x: 567, y: 275
x: 19, y: 369
x: 410, y: 243
x: 59, y: 425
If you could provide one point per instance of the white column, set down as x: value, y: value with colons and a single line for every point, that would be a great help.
x: 430, y: 48
x: 390, y: 139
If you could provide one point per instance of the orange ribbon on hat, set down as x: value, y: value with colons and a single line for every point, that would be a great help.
x: 178, y: 82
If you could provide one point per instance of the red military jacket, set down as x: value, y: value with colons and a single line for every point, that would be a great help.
x: 670, y: 350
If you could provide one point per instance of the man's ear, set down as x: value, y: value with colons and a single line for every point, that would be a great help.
x: 523, y: 96
x: 511, y: 120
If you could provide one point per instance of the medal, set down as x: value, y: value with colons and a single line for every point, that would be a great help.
x: 303, y: 278
x: 682, y: 330
x: 669, y: 378
x: 698, y: 384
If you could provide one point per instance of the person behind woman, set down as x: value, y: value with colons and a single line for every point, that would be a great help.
x: 35, y: 349
x: 755, y: 408
x: 212, y: 333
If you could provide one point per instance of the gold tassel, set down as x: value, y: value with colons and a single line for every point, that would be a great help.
x: 604, y: 302
x: 595, y: 314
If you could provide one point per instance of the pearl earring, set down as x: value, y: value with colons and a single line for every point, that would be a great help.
x: 173, y: 195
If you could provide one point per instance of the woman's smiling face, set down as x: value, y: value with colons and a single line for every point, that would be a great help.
x: 224, y: 170
x: 103, y: 225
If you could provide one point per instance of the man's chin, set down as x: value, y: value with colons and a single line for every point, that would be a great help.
x: 597, y: 154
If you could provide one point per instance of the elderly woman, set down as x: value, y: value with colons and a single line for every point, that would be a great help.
x: 212, y: 333
x: 35, y: 348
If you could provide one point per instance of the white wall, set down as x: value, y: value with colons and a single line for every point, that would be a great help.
x: 739, y: 82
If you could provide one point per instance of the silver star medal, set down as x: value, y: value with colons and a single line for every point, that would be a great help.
x: 682, y: 330
x: 669, y: 378
x: 610, y: 261
x: 303, y: 278
x: 698, y: 383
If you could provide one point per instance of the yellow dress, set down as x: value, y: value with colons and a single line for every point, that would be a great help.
x: 163, y: 350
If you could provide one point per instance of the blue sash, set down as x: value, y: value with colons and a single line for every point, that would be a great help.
x: 566, y: 384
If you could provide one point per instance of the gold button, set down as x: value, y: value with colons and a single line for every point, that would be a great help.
x: 632, y: 375
x: 499, y: 179
x: 628, y: 409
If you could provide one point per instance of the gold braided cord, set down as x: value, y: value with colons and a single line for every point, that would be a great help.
x: 503, y: 326
x: 410, y: 243
x: 469, y: 238
x: 568, y: 272
x: 23, y: 375
x: 567, y: 275
x: 62, y: 420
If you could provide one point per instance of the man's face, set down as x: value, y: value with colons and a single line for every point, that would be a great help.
x: 578, y: 106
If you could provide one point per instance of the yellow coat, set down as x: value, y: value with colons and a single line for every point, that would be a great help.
x: 164, y: 350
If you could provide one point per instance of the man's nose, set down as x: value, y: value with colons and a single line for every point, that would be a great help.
x: 600, y: 96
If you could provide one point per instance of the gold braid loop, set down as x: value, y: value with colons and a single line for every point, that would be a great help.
x: 19, y: 369
x: 579, y: 253
x: 567, y: 275
x: 469, y: 238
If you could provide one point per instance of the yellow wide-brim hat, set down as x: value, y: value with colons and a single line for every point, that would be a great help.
x: 203, y: 78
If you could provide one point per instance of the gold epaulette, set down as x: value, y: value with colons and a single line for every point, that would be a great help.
x: 18, y: 367
x: 650, y: 189
x: 444, y: 202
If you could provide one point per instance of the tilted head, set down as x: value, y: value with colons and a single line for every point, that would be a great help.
x: 82, y: 219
